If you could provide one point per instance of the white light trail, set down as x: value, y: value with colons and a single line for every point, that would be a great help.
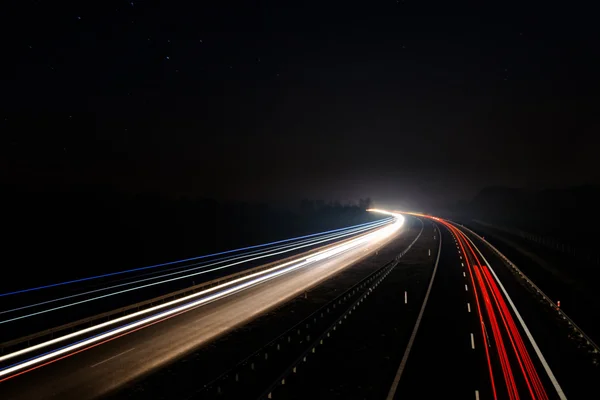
x: 224, y: 290
x: 245, y: 257
x: 320, y: 241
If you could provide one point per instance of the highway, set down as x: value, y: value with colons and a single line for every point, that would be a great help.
x: 94, y: 364
x: 472, y: 337
x: 448, y: 320
x: 42, y: 307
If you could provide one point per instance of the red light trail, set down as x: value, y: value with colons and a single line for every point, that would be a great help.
x: 500, y: 320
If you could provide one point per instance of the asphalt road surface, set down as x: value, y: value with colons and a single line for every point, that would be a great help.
x: 472, y: 340
x: 102, y: 368
x: 461, y: 327
x: 469, y: 329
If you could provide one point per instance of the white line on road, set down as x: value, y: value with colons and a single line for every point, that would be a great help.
x: 464, y: 274
x: 469, y: 307
x: 477, y: 395
x: 405, y: 297
x: 472, y: 342
x: 113, y: 357
x: 559, y: 390
x: 462, y: 264
x: 430, y: 252
x: 466, y: 288
x: 392, y: 391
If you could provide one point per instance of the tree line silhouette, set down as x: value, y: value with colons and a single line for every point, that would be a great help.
x: 89, y: 229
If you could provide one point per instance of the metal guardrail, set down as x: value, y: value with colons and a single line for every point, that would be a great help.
x: 297, y: 334
x: 376, y: 279
x: 579, y: 252
x: 151, y: 302
x: 593, y: 347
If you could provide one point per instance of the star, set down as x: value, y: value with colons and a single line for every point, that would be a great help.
x: 168, y: 58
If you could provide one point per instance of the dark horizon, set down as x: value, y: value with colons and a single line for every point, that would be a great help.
x: 408, y: 104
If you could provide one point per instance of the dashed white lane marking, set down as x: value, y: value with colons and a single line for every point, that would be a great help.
x: 113, y: 357
x: 559, y: 390
x: 472, y: 342
x: 477, y: 395
x: 466, y: 288
x: 469, y: 307
x: 396, y: 381
x: 464, y: 274
x: 462, y: 265
x: 405, y: 297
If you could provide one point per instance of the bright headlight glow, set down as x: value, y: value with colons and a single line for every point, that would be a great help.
x: 191, y: 301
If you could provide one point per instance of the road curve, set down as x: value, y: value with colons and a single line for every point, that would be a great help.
x: 486, y: 349
x: 92, y: 371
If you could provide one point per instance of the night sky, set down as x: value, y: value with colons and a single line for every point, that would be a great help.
x: 408, y: 102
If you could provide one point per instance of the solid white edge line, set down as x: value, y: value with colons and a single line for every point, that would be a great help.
x: 559, y: 390
x: 396, y: 381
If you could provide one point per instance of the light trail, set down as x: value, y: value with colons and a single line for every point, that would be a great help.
x: 494, y: 304
x: 167, y: 263
x: 294, y: 246
x: 529, y: 373
x: 104, y: 296
x: 496, y: 332
x: 211, y: 294
x: 479, y: 314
